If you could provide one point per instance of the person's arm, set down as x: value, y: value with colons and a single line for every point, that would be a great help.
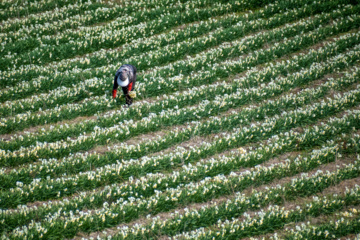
x: 115, y: 87
x: 133, y: 79
x: 128, y: 88
x: 131, y: 86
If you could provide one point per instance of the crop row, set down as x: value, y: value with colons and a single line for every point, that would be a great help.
x: 121, y: 210
x: 15, y: 29
x: 89, y: 87
x: 10, y: 9
x: 101, y: 58
x: 40, y: 190
x: 348, y: 222
x: 173, y: 117
x: 210, y: 214
x: 171, y: 52
x: 74, y: 164
x: 84, y: 192
x: 160, y: 85
x: 276, y: 145
x: 59, y: 41
x: 80, y: 13
x: 41, y: 171
x: 254, y: 77
x: 85, y: 88
x: 274, y: 217
x: 117, y: 32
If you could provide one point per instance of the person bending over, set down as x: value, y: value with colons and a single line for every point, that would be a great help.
x: 125, y: 77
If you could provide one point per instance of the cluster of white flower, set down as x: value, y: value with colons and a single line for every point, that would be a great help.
x: 348, y: 220
x: 39, y: 84
x: 239, y: 204
x: 16, y: 9
x: 264, y: 115
x: 37, y: 24
x: 243, y: 45
x: 67, y: 16
x: 270, y: 126
x: 195, y: 192
x: 176, y: 116
x: 121, y: 30
x: 253, y: 78
x: 90, y: 12
x: 273, y: 217
x: 170, y: 84
x: 151, y: 43
x: 113, y: 192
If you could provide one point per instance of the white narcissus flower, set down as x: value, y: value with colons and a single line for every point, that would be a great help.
x: 14, y: 90
x: 132, y: 94
x: 192, y: 189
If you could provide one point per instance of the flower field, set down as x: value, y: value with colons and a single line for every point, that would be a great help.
x: 246, y: 121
